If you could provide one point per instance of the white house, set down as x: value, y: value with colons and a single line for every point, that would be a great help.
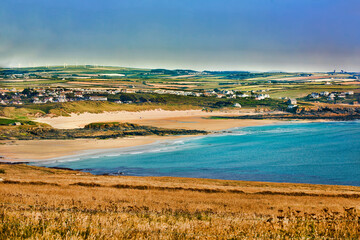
x: 237, y: 105
x: 97, y: 98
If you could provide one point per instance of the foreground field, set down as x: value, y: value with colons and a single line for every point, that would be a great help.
x: 41, y: 203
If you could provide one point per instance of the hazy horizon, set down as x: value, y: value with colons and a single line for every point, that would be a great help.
x: 199, y: 70
x: 256, y: 35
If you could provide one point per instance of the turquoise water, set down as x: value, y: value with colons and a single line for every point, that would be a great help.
x: 320, y: 153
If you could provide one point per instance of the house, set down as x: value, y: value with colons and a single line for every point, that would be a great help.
x: 36, y: 100
x: 291, y: 106
x: 62, y: 98
x: 342, y: 95
x: 78, y: 94
x: 97, y: 98
x: 227, y: 92
x: 237, y: 105
x: 325, y: 94
x: 331, y: 97
x: 262, y: 96
x: 17, y: 103
x: 314, y: 95
x: 128, y: 91
x: 48, y: 99
x: 292, y: 101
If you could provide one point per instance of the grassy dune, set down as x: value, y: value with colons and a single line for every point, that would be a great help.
x: 41, y: 203
x: 65, y: 109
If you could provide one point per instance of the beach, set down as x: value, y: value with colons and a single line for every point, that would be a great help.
x: 40, y: 150
x: 186, y: 119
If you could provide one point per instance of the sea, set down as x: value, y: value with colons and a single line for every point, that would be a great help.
x: 294, y: 152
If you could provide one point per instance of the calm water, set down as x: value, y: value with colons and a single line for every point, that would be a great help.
x: 324, y: 153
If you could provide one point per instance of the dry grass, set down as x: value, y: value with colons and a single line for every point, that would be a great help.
x: 41, y: 203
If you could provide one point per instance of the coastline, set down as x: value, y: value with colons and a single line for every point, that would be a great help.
x: 44, y: 150
x: 14, y: 151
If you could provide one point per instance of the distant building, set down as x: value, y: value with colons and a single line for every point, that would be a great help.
x: 314, y: 95
x: 237, y: 105
x: 262, y: 96
x: 292, y: 101
x: 291, y: 106
x: 342, y: 95
x: 97, y: 98
x: 331, y: 98
x: 78, y: 94
x: 325, y: 93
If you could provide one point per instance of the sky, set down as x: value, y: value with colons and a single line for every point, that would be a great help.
x: 253, y: 35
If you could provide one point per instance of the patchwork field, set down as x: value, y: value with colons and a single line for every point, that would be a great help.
x: 294, y: 84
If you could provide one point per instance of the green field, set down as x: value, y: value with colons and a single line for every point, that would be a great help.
x: 277, y: 84
x: 280, y: 84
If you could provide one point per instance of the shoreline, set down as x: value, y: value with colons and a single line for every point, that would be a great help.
x: 143, y: 147
x: 45, y: 150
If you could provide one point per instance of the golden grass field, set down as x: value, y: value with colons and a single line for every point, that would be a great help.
x: 42, y: 203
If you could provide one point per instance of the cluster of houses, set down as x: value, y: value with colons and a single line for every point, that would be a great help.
x: 235, y: 94
x: 49, y: 95
x: 330, y: 96
x: 46, y: 95
x: 179, y: 93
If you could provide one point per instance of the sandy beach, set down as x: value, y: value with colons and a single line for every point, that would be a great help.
x: 40, y: 150
x: 187, y: 119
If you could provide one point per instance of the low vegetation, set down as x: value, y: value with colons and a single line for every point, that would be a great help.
x: 7, y: 122
x: 65, y: 109
x: 141, y: 102
x: 200, y: 102
x: 41, y: 203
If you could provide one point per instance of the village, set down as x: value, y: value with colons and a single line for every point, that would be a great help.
x: 334, y: 97
x: 52, y: 95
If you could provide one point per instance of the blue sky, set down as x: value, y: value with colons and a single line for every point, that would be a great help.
x: 264, y: 35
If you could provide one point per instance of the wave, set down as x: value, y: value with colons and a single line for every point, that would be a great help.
x: 156, y: 147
